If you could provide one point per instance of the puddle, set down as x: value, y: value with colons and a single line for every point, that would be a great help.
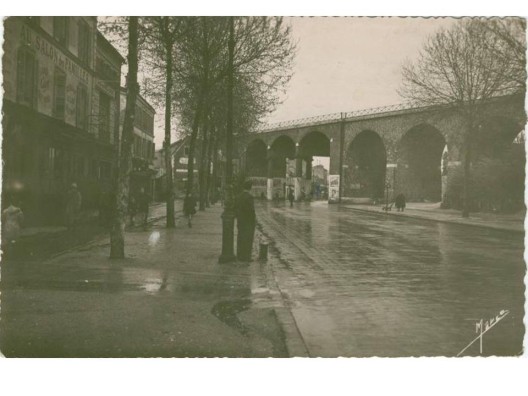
x: 227, y: 311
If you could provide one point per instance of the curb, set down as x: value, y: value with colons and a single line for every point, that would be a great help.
x: 487, y: 226
x: 293, y: 339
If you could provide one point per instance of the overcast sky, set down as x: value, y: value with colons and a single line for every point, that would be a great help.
x: 346, y: 64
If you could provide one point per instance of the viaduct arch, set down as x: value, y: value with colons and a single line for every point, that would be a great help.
x: 413, y: 150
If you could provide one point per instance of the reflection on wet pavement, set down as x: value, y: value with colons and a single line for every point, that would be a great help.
x: 367, y: 285
x: 169, y: 297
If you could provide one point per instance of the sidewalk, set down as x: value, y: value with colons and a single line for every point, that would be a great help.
x: 432, y: 211
x: 39, y: 243
x: 156, y: 211
x: 168, y: 298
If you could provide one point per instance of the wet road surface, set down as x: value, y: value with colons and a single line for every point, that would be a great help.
x: 361, y: 284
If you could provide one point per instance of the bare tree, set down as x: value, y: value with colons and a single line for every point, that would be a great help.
x: 117, y: 236
x: 262, y: 57
x: 160, y: 35
x: 459, y: 68
x: 511, y: 33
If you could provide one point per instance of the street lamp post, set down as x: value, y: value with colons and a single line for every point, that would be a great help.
x: 228, y: 216
x: 387, y: 186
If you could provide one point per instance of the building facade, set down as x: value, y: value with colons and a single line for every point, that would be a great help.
x: 61, y: 106
x: 180, y: 164
x: 143, y: 151
x: 180, y: 161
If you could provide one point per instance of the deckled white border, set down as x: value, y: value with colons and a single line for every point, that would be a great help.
x: 435, y: 376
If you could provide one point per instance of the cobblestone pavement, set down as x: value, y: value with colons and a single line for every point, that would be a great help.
x: 361, y: 284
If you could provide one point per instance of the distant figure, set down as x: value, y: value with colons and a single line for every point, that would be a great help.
x: 73, y: 206
x: 399, y: 202
x: 277, y: 198
x: 143, y: 201
x: 291, y: 197
x: 189, y: 207
x: 246, y: 221
x: 12, y: 219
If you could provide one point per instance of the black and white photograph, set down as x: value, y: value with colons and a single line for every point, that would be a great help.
x: 263, y: 187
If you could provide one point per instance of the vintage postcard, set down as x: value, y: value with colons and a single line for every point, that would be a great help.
x: 263, y: 187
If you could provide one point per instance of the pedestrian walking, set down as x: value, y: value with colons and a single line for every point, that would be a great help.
x: 399, y: 202
x: 189, y: 208
x: 246, y: 221
x: 291, y: 197
x: 143, y: 201
x: 73, y: 206
x: 12, y: 220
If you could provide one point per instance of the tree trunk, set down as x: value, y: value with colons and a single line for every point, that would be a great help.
x: 228, y: 216
x: 203, y: 162
x: 192, y: 145
x: 167, y: 143
x: 117, y: 236
x: 212, y: 184
x: 466, y: 192
x: 210, y: 146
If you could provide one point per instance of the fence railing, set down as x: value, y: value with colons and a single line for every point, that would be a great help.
x: 334, y: 117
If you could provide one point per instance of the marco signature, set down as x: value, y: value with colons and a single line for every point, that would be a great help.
x: 482, y: 327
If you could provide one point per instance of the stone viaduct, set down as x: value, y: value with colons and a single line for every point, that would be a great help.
x: 377, y: 152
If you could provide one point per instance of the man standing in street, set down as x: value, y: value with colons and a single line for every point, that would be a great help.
x: 246, y: 220
x: 73, y: 206
x: 291, y: 196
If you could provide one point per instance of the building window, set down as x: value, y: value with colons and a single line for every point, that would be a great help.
x: 105, y: 170
x: 104, y: 117
x: 51, y: 159
x: 151, y: 124
x: 60, y: 29
x: 26, y: 77
x: 84, y: 43
x: 59, y: 93
x: 82, y: 107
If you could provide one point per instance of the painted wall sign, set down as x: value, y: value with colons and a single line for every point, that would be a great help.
x: 45, y: 48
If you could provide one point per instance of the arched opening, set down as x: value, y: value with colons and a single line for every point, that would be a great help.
x: 419, y: 170
x: 366, y: 162
x: 494, y: 138
x: 282, y: 149
x: 314, y: 153
x: 498, y: 166
x: 256, y: 159
x: 315, y: 144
